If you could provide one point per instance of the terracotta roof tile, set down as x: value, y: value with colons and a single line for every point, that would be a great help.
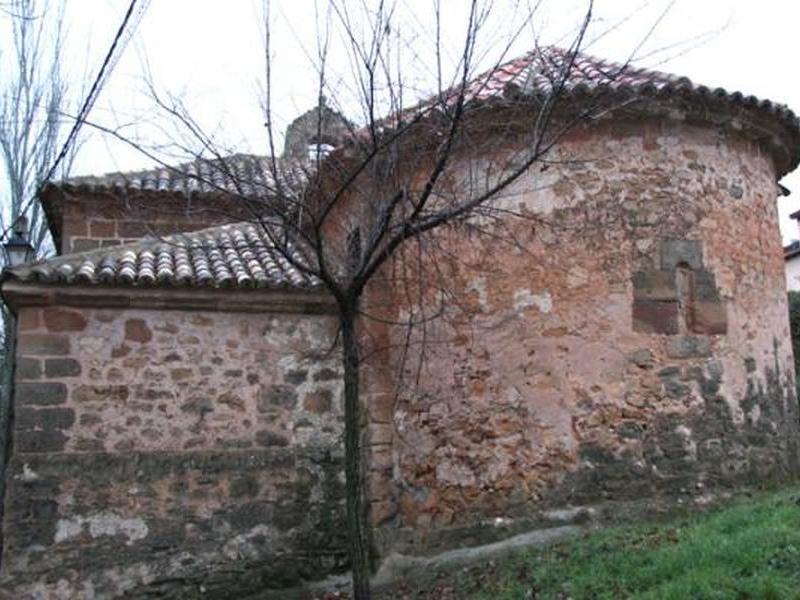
x: 536, y: 73
x: 243, y: 174
x: 538, y: 70
x: 237, y: 255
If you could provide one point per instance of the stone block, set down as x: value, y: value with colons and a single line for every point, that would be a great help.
x: 272, y: 396
x: 85, y: 444
x: 136, y: 330
x: 379, y: 486
x: 675, y: 389
x: 244, y: 486
x: 62, y: 367
x: 381, y: 458
x: 100, y: 393
x: 28, y: 368
x: 381, y: 407
x: 270, y: 438
x: 61, y: 319
x: 705, y: 287
x: 84, y: 244
x: 44, y: 418
x: 630, y: 430
x: 382, y: 511
x: 326, y: 374
x: 27, y: 319
x: 181, y: 374
x: 318, y: 401
x: 654, y: 285
x: 380, y: 433
x: 651, y: 316
x: 688, y: 346
x: 48, y: 440
x: 643, y: 359
x: 676, y: 252
x: 709, y: 318
x: 40, y: 393
x: 132, y: 229
x: 296, y: 377
x: 43, y: 344
x: 669, y: 372
x: 199, y: 405
x: 103, y: 229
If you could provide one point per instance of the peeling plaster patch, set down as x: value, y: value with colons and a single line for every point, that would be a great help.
x: 570, y: 515
x: 577, y: 276
x: 28, y: 474
x: 242, y: 546
x: 100, y: 524
x: 449, y: 472
x: 92, y: 344
x: 525, y: 299
x: 478, y: 285
x: 67, y: 528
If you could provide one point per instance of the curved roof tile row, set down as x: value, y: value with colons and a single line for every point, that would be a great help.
x: 243, y: 174
x: 238, y: 255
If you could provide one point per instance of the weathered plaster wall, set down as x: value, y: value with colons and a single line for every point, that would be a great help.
x: 793, y: 273
x: 631, y: 342
x: 171, y: 448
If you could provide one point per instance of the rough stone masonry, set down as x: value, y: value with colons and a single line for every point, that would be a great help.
x: 622, y: 346
x: 155, y: 447
x: 633, y: 344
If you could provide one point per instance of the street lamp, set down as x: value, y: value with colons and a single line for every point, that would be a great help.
x: 18, y: 249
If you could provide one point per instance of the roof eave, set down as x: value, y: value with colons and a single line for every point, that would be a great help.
x: 52, y: 200
x: 18, y: 294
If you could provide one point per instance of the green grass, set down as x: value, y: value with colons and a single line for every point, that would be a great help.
x: 750, y: 550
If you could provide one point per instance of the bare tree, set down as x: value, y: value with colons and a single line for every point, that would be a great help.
x: 34, y: 94
x: 405, y: 176
x: 33, y: 98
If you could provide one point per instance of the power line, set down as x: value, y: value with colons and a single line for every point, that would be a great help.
x: 106, y: 67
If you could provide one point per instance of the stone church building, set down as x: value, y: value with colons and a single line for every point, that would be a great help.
x: 177, y: 410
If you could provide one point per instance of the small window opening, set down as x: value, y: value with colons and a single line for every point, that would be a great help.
x: 684, y: 286
x: 319, y: 151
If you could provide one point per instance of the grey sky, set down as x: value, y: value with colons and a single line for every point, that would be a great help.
x: 211, y: 52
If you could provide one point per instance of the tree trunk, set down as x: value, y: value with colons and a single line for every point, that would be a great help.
x: 354, y: 487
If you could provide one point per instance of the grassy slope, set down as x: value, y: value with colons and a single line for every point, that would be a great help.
x: 748, y: 550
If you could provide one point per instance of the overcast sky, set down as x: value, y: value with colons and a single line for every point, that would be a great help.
x: 211, y: 53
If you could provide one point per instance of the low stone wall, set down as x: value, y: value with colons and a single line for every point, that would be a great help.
x: 165, y: 450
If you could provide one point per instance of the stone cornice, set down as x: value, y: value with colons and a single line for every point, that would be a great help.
x: 17, y: 294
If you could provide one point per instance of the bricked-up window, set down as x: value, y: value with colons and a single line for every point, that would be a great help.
x: 684, y: 289
x: 679, y: 297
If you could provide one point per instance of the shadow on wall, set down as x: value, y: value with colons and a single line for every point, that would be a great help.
x: 794, y: 324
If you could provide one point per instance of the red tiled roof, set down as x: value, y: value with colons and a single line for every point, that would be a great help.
x: 243, y: 174
x: 538, y: 71
x: 238, y: 255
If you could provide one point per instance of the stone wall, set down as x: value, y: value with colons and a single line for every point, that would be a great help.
x: 629, y: 341
x: 89, y: 220
x: 172, y: 449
